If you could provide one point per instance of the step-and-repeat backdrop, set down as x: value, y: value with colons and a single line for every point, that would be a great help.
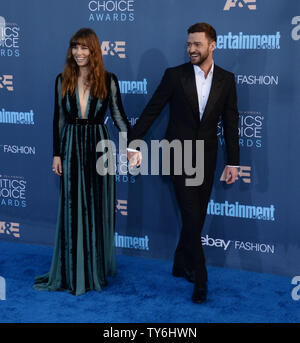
x: 253, y: 224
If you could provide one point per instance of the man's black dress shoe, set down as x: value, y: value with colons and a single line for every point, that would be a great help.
x: 199, y: 294
x: 184, y: 272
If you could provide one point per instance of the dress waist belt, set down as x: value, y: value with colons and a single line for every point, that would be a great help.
x: 86, y: 121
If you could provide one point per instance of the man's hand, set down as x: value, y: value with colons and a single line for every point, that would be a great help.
x: 231, y: 174
x: 134, y: 158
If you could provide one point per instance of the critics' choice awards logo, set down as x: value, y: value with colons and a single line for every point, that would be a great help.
x: 116, y: 48
x: 9, y: 39
x: 250, y: 130
x: 296, y: 29
x: 122, y: 175
x: 6, y: 82
x: 121, y: 167
x: 250, y: 4
x: 111, y: 11
x: 10, y: 229
x: 12, y: 191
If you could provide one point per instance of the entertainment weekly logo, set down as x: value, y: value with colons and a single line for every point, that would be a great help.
x: 121, y: 11
x: 17, y: 118
x: 245, y: 41
x: 131, y: 242
x: 251, y: 125
x: 242, y: 211
x: 9, y: 38
x: 133, y: 87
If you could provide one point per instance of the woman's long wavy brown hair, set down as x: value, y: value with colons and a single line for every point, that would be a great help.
x: 96, y: 77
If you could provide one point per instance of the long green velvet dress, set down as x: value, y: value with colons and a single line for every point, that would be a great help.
x: 84, y: 252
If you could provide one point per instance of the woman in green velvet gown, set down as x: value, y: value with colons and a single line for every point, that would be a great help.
x: 84, y: 252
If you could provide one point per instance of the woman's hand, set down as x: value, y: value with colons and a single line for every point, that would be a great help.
x: 231, y: 174
x: 57, y: 166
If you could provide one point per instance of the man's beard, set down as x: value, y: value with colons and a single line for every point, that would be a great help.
x: 203, y: 58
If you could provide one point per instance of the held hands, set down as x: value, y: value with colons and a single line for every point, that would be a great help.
x: 231, y: 174
x: 57, y: 166
x: 134, y: 158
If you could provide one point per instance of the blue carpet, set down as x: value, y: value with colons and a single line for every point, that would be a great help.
x: 142, y: 292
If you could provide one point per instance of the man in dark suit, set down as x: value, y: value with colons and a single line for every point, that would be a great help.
x: 199, y: 93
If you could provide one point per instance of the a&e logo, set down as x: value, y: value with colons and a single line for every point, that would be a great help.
x: 114, y: 48
x: 251, y: 4
x: 6, y: 82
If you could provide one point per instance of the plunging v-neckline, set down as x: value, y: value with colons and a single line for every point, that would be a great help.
x: 85, y: 114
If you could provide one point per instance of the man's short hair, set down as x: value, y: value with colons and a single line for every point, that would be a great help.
x: 209, y: 31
